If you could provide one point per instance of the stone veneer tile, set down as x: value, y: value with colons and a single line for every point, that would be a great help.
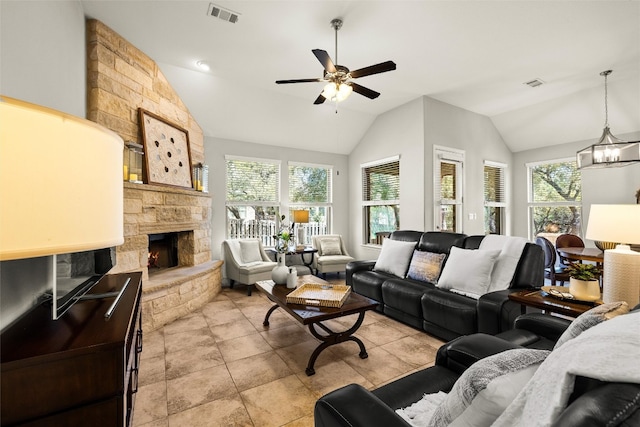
x: 199, y: 387
x: 228, y: 411
x: 151, y: 403
x: 265, y: 367
x: 192, y: 359
x: 415, y: 350
x: 243, y: 347
x: 379, y: 367
x: 278, y: 402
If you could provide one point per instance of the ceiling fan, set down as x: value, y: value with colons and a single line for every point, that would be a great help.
x: 339, y: 78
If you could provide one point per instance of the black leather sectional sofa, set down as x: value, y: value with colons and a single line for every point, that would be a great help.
x: 592, y: 402
x: 441, y: 312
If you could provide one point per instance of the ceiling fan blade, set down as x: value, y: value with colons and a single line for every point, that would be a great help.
x: 374, y: 69
x: 299, y: 81
x: 325, y: 60
x: 371, y: 94
x: 319, y: 100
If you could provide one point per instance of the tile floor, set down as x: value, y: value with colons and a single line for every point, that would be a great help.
x: 220, y: 366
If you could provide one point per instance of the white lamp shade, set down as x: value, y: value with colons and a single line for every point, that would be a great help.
x: 614, y: 223
x: 61, y: 184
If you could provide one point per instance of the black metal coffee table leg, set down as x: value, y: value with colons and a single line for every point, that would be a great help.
x: 334, y: 338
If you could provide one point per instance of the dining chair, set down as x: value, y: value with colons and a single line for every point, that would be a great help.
x: 551, y: 271
x: 568, y: 241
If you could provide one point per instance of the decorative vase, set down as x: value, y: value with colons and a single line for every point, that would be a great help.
x: 280, y: 271
x: 292, y: 278
x: 584, y: 290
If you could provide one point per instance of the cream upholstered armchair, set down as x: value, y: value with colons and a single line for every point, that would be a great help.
x: 246, y: 262
x: 332, y: 255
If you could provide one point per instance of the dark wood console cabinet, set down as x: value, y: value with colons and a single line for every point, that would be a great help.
x: 81, y: 369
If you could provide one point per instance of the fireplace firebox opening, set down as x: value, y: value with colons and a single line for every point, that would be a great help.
x: 163, y: 251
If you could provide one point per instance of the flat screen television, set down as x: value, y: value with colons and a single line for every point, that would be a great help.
x: 76, y: 273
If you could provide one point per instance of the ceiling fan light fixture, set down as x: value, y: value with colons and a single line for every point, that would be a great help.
x: 609, y: 151
x: 336, y: 91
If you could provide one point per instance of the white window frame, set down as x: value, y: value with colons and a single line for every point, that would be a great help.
x: 503, y: 204
x: 370, y: 203
x: 456, y: 157
x: 328, y: 205
x: 267, y: 238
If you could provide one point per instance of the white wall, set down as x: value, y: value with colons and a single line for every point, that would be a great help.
x: 396, y: 132
x: 599, y: 186
x: 446, y: 125
x: 42, y: 60
x: 215, y: 150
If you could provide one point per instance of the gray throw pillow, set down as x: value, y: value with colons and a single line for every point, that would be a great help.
x: 330, y: 246
x: 591, y: 318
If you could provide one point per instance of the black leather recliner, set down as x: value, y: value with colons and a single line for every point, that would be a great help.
x: 592, y: 403
x: 437, y: 311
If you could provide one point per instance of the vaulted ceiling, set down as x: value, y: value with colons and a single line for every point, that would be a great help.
x: 475, y: 55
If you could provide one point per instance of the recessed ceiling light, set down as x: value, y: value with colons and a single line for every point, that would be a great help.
x: 204, y: 66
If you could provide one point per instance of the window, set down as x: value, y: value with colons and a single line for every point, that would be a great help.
x: 495, y: 198
x: 555, y: 197
x: 252, y: 198
x: 380, y: 199
x: 447, y: 191
x: 310, y: 189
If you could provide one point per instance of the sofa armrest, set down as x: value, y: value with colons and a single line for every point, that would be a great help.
x: 496, y: 313
x: 550, y: 327
x: 462, y: 352
x: 354, y: 406
x: 354, y: 267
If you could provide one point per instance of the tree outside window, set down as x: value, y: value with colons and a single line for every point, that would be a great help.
x: 555, y: 197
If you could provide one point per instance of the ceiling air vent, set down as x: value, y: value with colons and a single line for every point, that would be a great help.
x: 534, y: 83
x: 222, y: 13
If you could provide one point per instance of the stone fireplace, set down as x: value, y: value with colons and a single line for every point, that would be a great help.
x: 121, y: 79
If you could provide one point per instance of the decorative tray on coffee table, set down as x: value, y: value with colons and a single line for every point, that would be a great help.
x: 319, y: 295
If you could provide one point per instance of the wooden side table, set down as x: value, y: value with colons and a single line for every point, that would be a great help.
x: 537, y: 299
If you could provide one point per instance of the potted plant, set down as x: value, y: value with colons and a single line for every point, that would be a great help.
x: 583, y: 282
x: 283, y: 240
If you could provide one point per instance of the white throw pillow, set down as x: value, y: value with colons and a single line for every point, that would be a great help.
x: 250, y: 251
x: 395, y: 257
x: 330, y: 246
x: 468, y: 271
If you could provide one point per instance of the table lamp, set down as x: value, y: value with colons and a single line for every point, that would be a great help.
x: 301, y: 217
x: 621, y: 276
x: 60, y: 185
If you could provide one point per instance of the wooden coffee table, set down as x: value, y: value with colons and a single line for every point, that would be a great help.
x: 538, y: 299
x: 314, y: 315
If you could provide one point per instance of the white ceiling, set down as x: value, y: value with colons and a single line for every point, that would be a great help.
x: 472, y: 54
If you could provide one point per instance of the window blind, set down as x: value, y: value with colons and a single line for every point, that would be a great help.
x: 250, y: 180
x: 494, y: 185
x: 381, y: 182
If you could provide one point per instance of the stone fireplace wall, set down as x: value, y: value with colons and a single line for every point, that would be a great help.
x: 121, y: 79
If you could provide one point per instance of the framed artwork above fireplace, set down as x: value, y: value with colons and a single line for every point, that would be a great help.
x: 166, y: 149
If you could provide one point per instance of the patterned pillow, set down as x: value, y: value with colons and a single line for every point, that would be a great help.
x: 330, y: 246
x: 425, y: 266
x: 591, y: 318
